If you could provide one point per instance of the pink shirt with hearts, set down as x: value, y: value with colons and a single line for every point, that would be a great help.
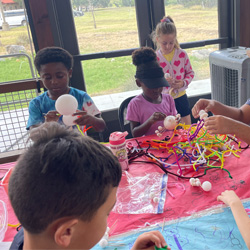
x: 180, y: 68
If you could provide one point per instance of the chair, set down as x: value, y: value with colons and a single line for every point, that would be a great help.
x: 122, y: 111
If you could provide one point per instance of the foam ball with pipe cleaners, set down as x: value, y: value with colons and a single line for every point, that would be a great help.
x: 66, y: 104
x: 170, y: 122
x: 203, y: 114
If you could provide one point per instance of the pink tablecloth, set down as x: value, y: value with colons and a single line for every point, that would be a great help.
x: 193, y: 200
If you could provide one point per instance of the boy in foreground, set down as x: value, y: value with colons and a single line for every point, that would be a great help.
x: 63, y: 189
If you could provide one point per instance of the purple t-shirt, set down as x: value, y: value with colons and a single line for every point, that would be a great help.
x: 139, y: 110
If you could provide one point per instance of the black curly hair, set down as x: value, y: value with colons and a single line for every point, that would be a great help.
x: 143, y: 55
x: 51, y: 55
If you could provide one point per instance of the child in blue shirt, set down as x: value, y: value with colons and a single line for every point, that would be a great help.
x: 54, y: 65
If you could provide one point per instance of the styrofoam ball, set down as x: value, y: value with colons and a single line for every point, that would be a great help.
x: 156, y: 131
x: 68, y: 120
x: 151, y: 195
x: 66, y: 104
x: 206, y: 186
x: 160, y: 128
x: 166, y: 75
x: 159, y: 134
x: 197, y: 182
x: 156, y: 199
x: 202, y: 111
x: 106, y: 236
x: 192, y: 181
x: 103, y: 243
x: 170, y: 122
x: 204, y: 116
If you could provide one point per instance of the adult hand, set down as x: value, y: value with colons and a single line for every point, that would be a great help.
x: 228, y: 197
x: 148, y: 241
x: 52, y: 116
x: 206, y: 105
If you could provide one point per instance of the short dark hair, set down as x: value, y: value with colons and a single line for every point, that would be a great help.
x: 62, y: 174
x: 51, y: 55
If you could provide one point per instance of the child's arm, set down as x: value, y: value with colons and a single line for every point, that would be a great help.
x: 138, y: 129
x: 90, y: 120
x: 242, y: 220
x: 223, y: 125
x: 149, y: 240
x: 217, y: 108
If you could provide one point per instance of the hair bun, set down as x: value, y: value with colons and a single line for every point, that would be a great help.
x: 143, y: 55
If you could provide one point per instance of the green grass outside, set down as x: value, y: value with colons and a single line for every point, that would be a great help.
x: 116, y: 29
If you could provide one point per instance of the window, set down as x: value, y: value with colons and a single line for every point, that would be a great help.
x: 115, y: 28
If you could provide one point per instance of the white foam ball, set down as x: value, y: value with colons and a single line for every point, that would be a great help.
x: 167, y: 75
x: 159, y: 134
x: 160, y: 128
x: 192, y: 181
x: 202, y: 111
x: 206, y: 186
x: 151, y: 195
x: 204, y: 116
x: 66, y: 104
x: 197, y: 182
x: 68, y: 120
x: 156, y: 199
x: 106, y: 236
x: 170, y: 122
x: 103, y: 243
x: 157, y: 131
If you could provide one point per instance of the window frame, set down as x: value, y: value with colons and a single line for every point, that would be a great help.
x: 148, y: 14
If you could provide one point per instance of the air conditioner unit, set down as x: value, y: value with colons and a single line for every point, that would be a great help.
x: 230, y: 76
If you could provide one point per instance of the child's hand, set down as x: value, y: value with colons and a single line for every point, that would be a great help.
x: 157, y: 116
x: 148, y: 241
x: 178, y: 84
x: 170, y: 80
x: 228, y: 197
x: 178, y: 118
x: 219, y: 124
x: 52, y: 116
x: 83, y: 118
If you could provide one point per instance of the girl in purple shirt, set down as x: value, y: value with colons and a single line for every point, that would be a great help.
x: 148, y: 110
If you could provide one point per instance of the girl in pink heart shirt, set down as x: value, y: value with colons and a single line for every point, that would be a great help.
x: 175, y: 64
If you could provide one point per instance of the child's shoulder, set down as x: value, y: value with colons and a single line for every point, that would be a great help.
x: 79, y: 94
x: 181, y: 51
x: 41, y: 98
x: 74, y: 91
x: 138, y: 98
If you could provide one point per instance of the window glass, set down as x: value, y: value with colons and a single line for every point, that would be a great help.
x: 15, y: 40
x: 106, y: 29
x: 195, y: 21
x: 108, y: 76
x: 116, y: 29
